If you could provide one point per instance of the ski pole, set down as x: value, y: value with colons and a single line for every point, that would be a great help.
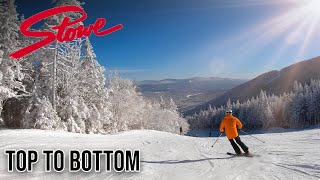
x: 252, y: 136
x: 217, y: 139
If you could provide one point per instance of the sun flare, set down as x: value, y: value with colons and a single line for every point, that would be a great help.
x: 298, y: 25
x: 313, y: 7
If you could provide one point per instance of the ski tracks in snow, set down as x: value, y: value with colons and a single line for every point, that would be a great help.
x: 291, y: 155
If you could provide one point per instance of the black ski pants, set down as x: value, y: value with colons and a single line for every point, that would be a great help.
x: 236, y: 147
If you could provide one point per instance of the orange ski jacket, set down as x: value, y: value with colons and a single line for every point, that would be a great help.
x: 230, y: 125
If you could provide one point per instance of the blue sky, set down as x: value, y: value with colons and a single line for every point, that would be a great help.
x: 187, y: 38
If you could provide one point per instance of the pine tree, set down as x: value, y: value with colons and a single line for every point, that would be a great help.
x: 58, y: 73
x: 11, y: 75
x: 9, y: 28
x: 93, y: 89
x: 172, y: 105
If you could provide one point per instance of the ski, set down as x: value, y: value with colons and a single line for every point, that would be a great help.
x: 232, y: 154
x: 245, y: 155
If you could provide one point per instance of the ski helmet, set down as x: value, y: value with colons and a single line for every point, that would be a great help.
x: 229, y: 111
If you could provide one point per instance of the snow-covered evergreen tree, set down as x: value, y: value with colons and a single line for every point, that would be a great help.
x: 11, y: 75
x: 42, y: 116
x: 127, y: 106
x: 93, y: 90
x: 9, y: 28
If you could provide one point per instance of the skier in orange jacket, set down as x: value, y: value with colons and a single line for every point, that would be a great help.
x: 229, y: 125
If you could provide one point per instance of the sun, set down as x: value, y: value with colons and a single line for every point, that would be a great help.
x: 313, y: 7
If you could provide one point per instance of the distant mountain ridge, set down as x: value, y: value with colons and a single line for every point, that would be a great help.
x: 273, y: 82
x: 188, y: 93
x: 195, y: 84
x: 165, y: 81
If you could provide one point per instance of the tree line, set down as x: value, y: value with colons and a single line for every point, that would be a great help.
x: 296, y: 109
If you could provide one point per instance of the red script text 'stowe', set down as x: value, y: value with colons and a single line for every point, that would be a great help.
x: 65, y: 33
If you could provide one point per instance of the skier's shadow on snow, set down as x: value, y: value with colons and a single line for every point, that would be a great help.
x: 183, y: 161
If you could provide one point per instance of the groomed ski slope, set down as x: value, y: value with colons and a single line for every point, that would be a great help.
x: 287, y: 155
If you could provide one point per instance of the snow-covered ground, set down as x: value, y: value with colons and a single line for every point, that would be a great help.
x: 287, y: 155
